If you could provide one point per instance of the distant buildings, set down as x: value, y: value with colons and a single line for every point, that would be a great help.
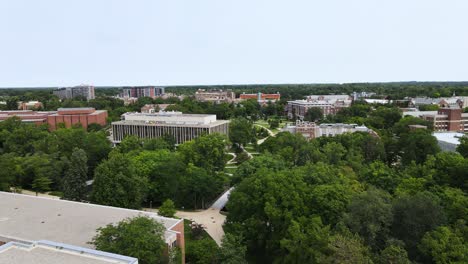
x: 183, y: 127
x: 444, y: 119
x: 29, y: 224
x: 154, y: 108
x: 31, y: 105
x: 261, y: 97
x: 67, y: 116
x: 311, y: 130
x: 443, y: 102
x: 361, y: 95
x: 84, y: 91
x: 329, y: 104
x: 142, y: 91
x: 215, y: 96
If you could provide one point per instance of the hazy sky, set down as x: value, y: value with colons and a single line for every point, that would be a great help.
x: 111, y: 42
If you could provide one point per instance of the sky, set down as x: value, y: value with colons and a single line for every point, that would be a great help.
x: 187, y: 42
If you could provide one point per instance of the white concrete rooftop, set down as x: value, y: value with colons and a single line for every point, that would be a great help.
x: 38, y: 218
x: 46, y: 252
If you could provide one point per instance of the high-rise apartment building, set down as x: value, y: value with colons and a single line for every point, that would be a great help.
x: 142, y: 91
x: 84, y: 91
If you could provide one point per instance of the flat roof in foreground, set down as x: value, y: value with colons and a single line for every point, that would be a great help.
x: 37, y: 218
x: 42, y: 252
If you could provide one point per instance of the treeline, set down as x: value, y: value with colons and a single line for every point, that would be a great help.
x: 397, y: 90
x: 355, y: 198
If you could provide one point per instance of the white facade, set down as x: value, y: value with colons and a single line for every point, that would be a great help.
x: 310, y: 130
x: 169, y: 118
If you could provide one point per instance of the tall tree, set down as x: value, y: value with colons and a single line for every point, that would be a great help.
x: 116, y: 183
x: 74, y: 181
x: 241, y: 131
x: 140, y: 237
x: 370, y: 215
x: 463, y: 147
x: 415, y: 215
x: 167, y: 209
x: 41, y: 184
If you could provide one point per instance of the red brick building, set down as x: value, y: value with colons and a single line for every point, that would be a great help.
x: 261, y: 97
x: 72, y: 116
x: 67, y: 116
x: 27, y: 116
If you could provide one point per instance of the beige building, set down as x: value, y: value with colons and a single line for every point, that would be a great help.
x: 183, y: 127
x: 329, y: 104
x: 311, y: 130
x: 215, y: 96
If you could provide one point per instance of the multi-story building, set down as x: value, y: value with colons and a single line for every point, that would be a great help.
x: 70, y: 225
x: 183, y: 127
x: 142, y: 91
x: 446, y: 119
x: 216, y: 96
x: 311, y: 130
x: 84, y: 91
x: 261, y: 97
x: 329, y: 104
x: 68, y: 116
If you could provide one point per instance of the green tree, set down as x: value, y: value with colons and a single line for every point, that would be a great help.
x: 41, y: 184
x: 116, y: 183
x: 415, y: 215
x: 394, y: 254
x: 417, y: 145
x: 463, y: 147
x: 74, y: 181
x: 381, y: 176
x: 206, y: 152
x: 130, y: 143
x: 9, y: 168
x: 140, y: 237
x: 313, y: 114
x: 347, y: 249
x: 241, y: 131
x: 167, y: 209
x: 370, y: 215
x: 262, y: 207
x: 232, y: 250
x: 445, y: 245
x: 306, y: 241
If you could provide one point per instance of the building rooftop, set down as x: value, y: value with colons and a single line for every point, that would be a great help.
x: 170, y: 119
x: 449, y: 137
x: 37, y: 218
x: 75, y: 108
x: 55, y: 253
